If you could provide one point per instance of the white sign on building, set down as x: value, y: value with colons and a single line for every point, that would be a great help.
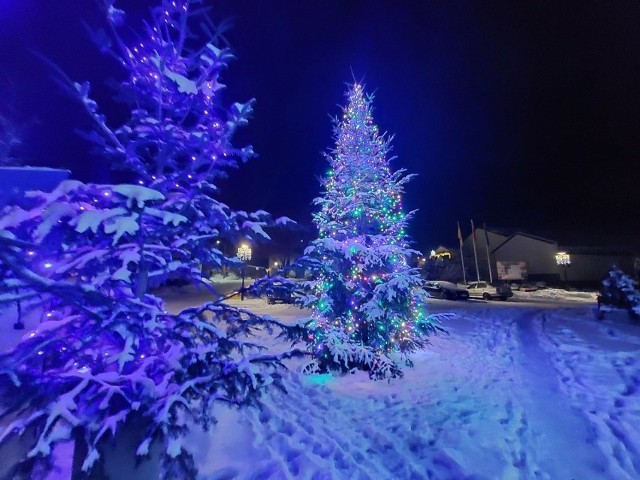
x: 512, y: 270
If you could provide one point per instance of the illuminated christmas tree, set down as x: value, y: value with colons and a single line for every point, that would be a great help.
x: 368, y: 302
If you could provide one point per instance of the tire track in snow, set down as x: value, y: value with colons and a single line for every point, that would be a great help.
x: 484, y: 403
x: 459, y: 422
x: 498, y: 334
x: 299, y: 430
x: 604, y: 386
x: 562, y: 436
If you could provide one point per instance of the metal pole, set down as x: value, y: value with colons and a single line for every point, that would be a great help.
x: 244, y: 255
x: 464, y: 274
x: 475, y: 253
x: 486, y: 242
x: 242, y: 286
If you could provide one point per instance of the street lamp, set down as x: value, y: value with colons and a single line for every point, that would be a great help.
x: 244, y: 254
x: 273, y: 268
x: 563, y: 259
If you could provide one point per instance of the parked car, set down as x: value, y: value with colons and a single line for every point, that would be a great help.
x: 446, y: 290
x: 278, y: 292
x: 488, y: 291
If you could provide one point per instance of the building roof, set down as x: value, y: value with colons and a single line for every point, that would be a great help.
x: 526, y: 235
x: 589, y: 243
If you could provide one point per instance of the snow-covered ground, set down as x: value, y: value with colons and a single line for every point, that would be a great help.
x: 531, y: 388
x: 514, y: 392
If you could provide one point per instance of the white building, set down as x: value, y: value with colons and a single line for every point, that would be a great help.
x: 518, y: 254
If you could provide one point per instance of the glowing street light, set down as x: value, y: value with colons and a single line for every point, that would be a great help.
x: 273, y: 268
x: 244, y: 254
x: 563, y: 259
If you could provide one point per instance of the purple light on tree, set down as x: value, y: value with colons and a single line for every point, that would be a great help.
x: 110, y: 356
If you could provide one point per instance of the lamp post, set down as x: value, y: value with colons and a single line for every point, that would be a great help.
x: 222, y: 248
x: 244, y: 254
x: 563, y: 259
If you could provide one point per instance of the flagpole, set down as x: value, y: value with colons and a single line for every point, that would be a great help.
x: 464, y: 275
x: 486, y: 242
x: 475, y: 252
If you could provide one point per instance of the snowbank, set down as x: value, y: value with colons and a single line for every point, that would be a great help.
x: 556, y: 294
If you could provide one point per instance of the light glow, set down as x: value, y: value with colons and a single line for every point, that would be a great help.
x: 244, y: 252
x: 563, y: 258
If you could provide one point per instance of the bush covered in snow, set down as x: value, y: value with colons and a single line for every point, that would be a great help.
x: 620, y: 290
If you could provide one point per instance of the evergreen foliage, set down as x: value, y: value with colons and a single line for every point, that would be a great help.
x: 107, y: 355
x: 448, y: 269
x: 621, y: 290
x: 178, y: 136
x: 368, y: 302
x: 102, y: 358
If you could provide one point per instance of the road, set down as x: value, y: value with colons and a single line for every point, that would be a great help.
x: 517, y: 303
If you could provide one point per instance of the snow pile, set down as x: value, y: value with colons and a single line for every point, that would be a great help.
x: 230, y: 277
x: 548, y: 294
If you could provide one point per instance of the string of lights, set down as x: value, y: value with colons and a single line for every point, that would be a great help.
x: 366, y: 288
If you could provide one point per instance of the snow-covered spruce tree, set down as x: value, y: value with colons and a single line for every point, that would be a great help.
x: 621, y: 290
x: 108, y: 354
x: 178, y: 136
x: 367, y: 301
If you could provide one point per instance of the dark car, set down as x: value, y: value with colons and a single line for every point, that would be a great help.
x: 278, y: 292
x: 446, y: 290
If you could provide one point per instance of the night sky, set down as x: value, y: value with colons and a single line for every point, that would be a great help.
x: 517, y: 114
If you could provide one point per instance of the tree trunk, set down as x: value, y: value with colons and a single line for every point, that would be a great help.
x: 364, y: 332
x: 80, y: 451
